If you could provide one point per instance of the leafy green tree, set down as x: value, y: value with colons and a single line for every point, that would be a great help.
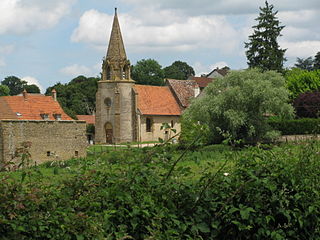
x: 77, y: 96
x: 235, y: 107
x: 316, y: 61
x: 263, y: 49
x: 15, y: 84
x: 178, y: 70
x: 32, y: 88
x: 148, y: 72
x: 300, y: 81
x: 4, y: 90
x: 304, y: 64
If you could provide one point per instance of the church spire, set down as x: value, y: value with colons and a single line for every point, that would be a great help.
x: 116, y: 49
x: 116, y: 67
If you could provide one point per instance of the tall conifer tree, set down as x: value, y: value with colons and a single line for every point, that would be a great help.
x: 263, y: 49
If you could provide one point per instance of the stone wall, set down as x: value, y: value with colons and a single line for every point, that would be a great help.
x: 50, y: 140
x: 156, y: 131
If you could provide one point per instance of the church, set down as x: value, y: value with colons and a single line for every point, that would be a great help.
x: 128, y: 112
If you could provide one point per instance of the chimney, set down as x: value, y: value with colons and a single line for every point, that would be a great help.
x: 54, y: 94
x: 25, y: 94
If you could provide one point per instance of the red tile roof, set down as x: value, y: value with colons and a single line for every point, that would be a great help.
x: 90, y: 119
x: 202, y: 81
x: 184, y: 90
x: 154, y: 100
x: 31, y: 108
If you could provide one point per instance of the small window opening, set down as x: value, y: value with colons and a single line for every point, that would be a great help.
x: 149, y: 125
x: 45, y: 116
x: 76, y: 153
x: 48, y: 153
x: 166, y: 132
x: 57, y: 116
x: 108, y: 73
x: 172, y: 123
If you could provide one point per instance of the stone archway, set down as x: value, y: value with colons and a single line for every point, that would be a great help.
x: 109, y: 132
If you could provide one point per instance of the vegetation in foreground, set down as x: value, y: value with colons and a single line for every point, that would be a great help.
x: 164, y: 193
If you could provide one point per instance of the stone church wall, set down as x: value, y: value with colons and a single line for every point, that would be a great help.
x: 156, y: 131
x: 50, y: 140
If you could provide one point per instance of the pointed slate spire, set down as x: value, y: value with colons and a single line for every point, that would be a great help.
x: 116, y: 49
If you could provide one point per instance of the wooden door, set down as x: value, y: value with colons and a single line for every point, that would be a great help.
x: 109, y: 133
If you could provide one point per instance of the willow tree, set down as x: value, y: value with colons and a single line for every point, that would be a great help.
x: 264, y: 51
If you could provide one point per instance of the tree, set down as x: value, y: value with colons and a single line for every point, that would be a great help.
x: 77, y: 96
x: 304, y: 64
x: 32, y: 88
x: 263, y: 49
x: 15, y: 84
x: 178, y: 70
x: 236, y: 106
x: 4, y: 90
x: 300, y: 81
x: 149, y: 72
x: 308, y: 105
x: 316, y: 61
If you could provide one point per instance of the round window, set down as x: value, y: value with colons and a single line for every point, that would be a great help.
x: 107, y: 102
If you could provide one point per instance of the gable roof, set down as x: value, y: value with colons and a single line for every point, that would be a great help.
x: 30, y: 107
x: 154, y: 100
x: 221, y: 71
x: 202, y: 81
x: 184, y: 90
x: 90, y: 119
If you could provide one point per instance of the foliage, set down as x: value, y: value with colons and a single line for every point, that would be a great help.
x: 304, y: 64
x: 178, y: 70
x: 16, y: 86
x: 296, y: 126
x: 308, y: 105
x: 148, y: 72
x: 4, y: 90
x: 316, y: 61
x: 32, y: 88
x: 77, y: 96
x: 300, y: 81
x: 263, y: 49
x: 126, y: 195
x: 235, y: 106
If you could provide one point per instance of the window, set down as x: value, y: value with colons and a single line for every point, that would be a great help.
x: 57, y: 116
x: 107, y: 102
x: 172, y: 123
x: 76, y: 153
x: 45, y: 116
x: 48, y: 154
x: 149, y: 125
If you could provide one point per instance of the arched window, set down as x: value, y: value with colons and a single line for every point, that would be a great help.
x: 108, y: 73
x: 148, y: 124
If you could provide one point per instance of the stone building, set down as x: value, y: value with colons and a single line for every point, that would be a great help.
x: 40, y: 122
x: 127, y: 112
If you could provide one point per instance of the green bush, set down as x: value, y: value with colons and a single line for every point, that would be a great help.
x: 296, y: 126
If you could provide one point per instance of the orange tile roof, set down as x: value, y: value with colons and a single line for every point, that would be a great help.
x: 154, y: 100
x: 183, y: 89
x: 90, y: 119
x: 31, y: 108
x: 202, y: 81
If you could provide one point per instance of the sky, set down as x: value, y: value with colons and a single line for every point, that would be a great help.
x: 51, y: 41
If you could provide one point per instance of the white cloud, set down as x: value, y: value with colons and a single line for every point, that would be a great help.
x: 7, y: 49
x: 19, y: 16
x: 76, y: 70
x: 32, y: 80
x: 301, y: 49
x: 184, y: 34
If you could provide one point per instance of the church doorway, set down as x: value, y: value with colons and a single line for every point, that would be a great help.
x: 109, y: 132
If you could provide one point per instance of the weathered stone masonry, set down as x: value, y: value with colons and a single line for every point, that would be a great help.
x: 50, y: 140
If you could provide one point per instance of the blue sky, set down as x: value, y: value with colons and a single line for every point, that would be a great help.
x: 46, y: 42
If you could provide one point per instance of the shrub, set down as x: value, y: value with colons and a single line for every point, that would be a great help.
x: 234, y: 107
x: 296, y: 126
x: 308, y: 105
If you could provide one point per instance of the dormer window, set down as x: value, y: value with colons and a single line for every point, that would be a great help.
x: 18, y: 114
x: 57, y: 117
x: 45, y: 116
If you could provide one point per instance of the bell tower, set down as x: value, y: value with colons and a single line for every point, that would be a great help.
x: 115, y: 98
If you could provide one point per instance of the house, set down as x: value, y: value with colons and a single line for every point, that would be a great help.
x: 39, y: 121
x: 202, y: 81
x: 127, y: 112
x: 218, y: 72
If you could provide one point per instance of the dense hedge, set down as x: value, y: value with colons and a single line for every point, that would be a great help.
x: 269, y: 195
x: 296, y: 126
